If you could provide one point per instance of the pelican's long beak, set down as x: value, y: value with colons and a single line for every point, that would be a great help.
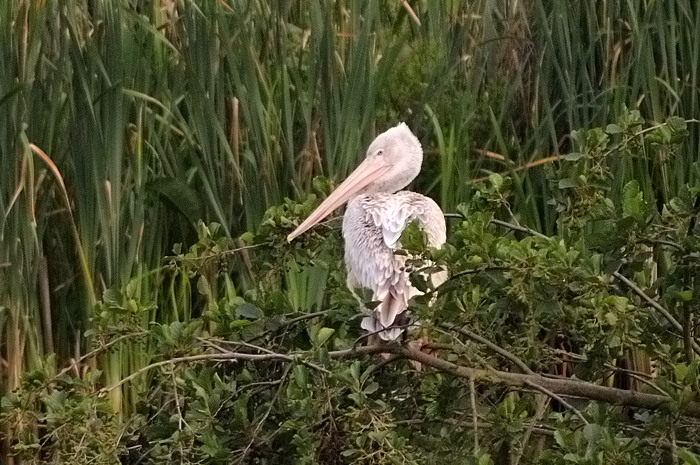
x: 369, y: 171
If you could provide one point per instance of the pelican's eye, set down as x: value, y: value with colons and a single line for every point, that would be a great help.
x: 379, y: 152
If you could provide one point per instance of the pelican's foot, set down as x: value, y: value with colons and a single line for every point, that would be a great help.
x: 420, y: 346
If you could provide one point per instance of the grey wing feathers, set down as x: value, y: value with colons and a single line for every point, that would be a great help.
x: 394, y: 212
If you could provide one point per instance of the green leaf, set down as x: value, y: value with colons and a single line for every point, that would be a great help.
x: 592, y: 432
x: 378, y: 436
x: 614, y: 129
x: 633, y: 204
x: 301, y: 376
x: 8, y: 401
x: 685, y: 296
x: 688, y: 457
x: 496, y: 180
x: 239, y: 324
x: 681, y: 371
x: 419, y: 281
x: 678, y: 129
x: 323, y: 335
x: 611, y: 318
x: 203, y: 286
x: 371, y: 388
x: 567, y: 183
x: 574, y: 156
x: 248, y: 310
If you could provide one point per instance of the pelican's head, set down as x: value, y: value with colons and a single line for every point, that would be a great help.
x: 393, y: 160
x: 398, y: 153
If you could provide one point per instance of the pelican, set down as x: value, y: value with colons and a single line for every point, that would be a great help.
x: 377, y: 213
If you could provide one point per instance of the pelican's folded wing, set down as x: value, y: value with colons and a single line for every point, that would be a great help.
x: 392, y: 213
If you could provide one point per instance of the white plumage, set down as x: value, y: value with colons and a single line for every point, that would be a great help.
x: 372, y: 226
x: 375, y: 218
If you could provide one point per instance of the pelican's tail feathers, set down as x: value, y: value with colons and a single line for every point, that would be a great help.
x: 393, y: 304
x: 372, y: 325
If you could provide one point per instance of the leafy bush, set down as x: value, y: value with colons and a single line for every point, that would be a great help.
x: 540, y: 347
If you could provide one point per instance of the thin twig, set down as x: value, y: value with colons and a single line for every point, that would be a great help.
x: 218, y: 357
x: 290, y: 322
x: 181, y: 418
x: 475, y: 423
x: 233, y: 343
x: 499, y: 350
x: 553, y: 395
x: 204, y: 258
x: 668, y: 243
x: 542, y: 404
x: 267, y: 414
x: 657, y: 306
x: 456, y: 276
x: 306, y: 316
x: 96, y: 351
x: 648, y: 383
x: 519, y: 228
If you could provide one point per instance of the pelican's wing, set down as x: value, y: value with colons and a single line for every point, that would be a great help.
x: 372, y: 227
x: 393, y: 213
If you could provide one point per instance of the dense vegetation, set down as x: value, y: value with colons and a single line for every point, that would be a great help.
x: 151, y: 310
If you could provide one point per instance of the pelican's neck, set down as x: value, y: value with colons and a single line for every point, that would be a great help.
x: 397, y: 179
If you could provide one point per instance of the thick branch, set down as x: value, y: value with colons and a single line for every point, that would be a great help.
x: 564, y: 387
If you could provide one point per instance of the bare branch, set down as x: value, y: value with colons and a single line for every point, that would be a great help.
x: 569, y: 387
x: 217, y: 357
x: 558, y: 398
x: 100, y: 349
x: 499, y: 350
x: 475, y: 423
x: 519, y: 228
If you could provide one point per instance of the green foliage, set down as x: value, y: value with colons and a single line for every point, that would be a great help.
x: 288, y: 395
x: 169, y: 122
x: 77, y: 425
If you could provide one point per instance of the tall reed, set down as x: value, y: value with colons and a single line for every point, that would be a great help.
x: 157, y: 114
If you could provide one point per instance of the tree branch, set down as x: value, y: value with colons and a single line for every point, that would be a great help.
x: 519, y: 228
x: 499, y: 350
x: 557, y: 397
x: 563, y: 387
x: 559, y: 386
x: 217, y: 357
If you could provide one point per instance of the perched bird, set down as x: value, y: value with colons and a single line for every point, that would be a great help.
x: 376, y: 215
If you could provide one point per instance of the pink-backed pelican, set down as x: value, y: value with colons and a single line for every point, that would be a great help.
x: 377, y: 213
